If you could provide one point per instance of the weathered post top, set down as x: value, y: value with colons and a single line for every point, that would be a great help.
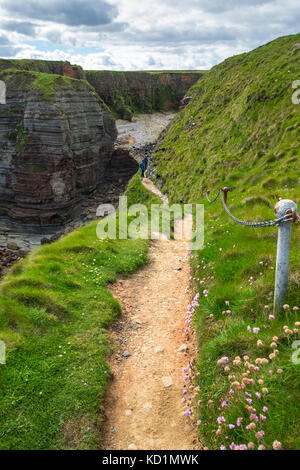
x: 283, y: 206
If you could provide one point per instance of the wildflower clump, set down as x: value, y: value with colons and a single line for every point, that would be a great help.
x: 247, y: 392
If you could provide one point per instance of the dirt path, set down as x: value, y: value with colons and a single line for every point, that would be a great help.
x: 144, y: 405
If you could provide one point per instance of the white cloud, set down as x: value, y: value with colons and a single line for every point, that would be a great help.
x: 148, y: 34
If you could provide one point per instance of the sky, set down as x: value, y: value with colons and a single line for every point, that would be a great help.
x: 142, y: 34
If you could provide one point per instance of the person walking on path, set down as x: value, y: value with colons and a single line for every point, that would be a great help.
x: 144, y: 166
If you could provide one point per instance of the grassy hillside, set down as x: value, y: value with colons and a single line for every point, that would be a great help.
x: 44, y: 66
x: 46, y: 84
x: 54, y: 312
x: 242, y: 130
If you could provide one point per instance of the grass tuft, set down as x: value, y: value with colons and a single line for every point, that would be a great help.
x: 55, y: 309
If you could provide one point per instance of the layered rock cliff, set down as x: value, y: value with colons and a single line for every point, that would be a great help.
x: 56, y: 139
x: 57, y: 134
x: 129, y: 92
x: 44, y: 66
x: 126, y: 93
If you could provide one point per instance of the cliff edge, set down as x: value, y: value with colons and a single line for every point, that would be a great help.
x: 56, y: 138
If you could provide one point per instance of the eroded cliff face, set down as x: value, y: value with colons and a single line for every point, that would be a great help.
x: 56, y: 139
x: 126, y: 93
x: 58, y: 67
x: 129, y: 92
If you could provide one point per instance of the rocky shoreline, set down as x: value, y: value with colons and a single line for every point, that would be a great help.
x: 17, y: 245
x: 8, y: 257
x: 136, y: 141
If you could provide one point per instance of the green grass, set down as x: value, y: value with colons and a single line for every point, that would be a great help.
x: 226, y: 334
x: 138, y: 194
x: 46, y: 84
x: 55, y: 309
x: 241, y: 130
x: 43, y: 66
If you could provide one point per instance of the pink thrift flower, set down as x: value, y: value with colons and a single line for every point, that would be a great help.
x: 260, y: 434
x: 223, y: 360
x: 239, y: 422
x: 277, y: 445
x: 221, y: 420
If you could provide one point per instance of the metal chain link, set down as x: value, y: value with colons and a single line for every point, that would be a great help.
x: 270, y: 223
x: 213, y: 199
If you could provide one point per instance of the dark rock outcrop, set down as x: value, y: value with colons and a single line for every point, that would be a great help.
x: 129, y: 92
x: 56, y: 140
x: 122, y: 166
x: 185, y: 101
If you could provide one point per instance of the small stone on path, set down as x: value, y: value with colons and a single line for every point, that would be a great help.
x: 148, y: 406
x: 183, y: 348
x: 126, y: 354
x: 132, y: 447
x: 167, y: 381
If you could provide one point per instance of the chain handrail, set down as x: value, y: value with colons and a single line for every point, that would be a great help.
x: 269, y: 223
x: 207, y: 192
